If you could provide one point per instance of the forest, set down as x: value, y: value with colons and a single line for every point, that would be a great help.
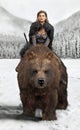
x: 67, y: 44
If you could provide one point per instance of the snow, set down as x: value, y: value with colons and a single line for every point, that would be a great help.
x: 68, y: 119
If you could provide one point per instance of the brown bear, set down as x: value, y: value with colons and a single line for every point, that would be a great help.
x: 42, y: 79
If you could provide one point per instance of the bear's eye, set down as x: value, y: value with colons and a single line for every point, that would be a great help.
x: 47, y: 71
x: 35, y: 71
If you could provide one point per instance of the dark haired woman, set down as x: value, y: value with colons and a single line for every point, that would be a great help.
x: 41, y: 32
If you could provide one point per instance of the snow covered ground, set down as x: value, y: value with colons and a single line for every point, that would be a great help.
x: 10, y: 101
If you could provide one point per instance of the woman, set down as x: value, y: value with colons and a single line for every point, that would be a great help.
x: 41, y: 32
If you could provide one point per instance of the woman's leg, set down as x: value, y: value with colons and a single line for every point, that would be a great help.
x: 24, y: 49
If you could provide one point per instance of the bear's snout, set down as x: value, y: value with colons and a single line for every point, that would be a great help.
x: 41, y: 81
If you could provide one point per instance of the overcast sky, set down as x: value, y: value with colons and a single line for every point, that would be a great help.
x: 57, y: 10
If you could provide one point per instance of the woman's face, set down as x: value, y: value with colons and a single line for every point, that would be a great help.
x: 42, y: 17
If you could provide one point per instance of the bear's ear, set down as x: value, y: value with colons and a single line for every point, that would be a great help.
x: 31, y: 55
x: 49, y: 55
x: 20, y: 65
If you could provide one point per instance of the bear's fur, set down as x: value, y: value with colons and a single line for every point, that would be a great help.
x: 42, y: 79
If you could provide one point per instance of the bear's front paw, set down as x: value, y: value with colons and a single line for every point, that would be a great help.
x: 49, y: 116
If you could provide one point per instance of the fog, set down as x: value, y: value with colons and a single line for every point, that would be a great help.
x: 57, y: 10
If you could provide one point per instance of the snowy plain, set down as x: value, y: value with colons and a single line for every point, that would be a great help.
x: 68, y: 119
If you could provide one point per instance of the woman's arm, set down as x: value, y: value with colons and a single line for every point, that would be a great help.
x: 34, y: 39
x: 33, y: 29
x: 50, y: 30
x: 47, y: 42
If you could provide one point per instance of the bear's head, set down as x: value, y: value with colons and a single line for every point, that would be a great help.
x: 40, y: 72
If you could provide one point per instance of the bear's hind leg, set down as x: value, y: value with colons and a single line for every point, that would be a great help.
x: 62, y: 96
